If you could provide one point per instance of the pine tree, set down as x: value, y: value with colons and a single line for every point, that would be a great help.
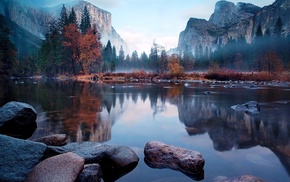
x: 85, y: 21
x: 278, y: 27
x: 72, y: 17
x: 63, y: 20
x: 8, y: 52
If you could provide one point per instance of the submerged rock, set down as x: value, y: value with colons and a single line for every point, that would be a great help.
x: 251, y: 107
x: 160, y: 155
x: 65, y: 167
x: 245, y: 178
x: 17, y: 120
x: 18, y: 157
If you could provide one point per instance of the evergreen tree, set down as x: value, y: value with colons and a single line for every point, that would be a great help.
x: 8, y: 52
x: 85, y: 21
x: 188, y: 59
x: 72, y: 17
x: 278, y: 27
x: 121, y: 58
x: 63, y: 20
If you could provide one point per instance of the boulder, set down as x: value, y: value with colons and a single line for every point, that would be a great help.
x: 93, y: 152
x: 18, y: 157
x: 251, y: 107
x: 160, y: 155
x: 17, y: 120
x: 90, y: 173
x: 65, y: 167
x: 54, y: 140
x: 115, y: 161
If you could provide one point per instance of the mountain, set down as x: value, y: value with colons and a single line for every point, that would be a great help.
x: 25, y: 42
x: 35, y: 20
x: 99, y: 17
x: 233, y: 21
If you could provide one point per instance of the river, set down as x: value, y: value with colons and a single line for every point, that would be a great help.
x: 197, y: 116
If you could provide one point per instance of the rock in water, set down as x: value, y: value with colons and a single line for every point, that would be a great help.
x: 65, y: 167
x: 160, y: 155
x: 251, y: 107
x: 245, y: 178
x: 17, y: 120
x: 18, y: 157
x: 91, y: 173
x: 115, y: 160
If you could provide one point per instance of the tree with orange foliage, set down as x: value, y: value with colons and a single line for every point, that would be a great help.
x: 272, y: 63
x: 90, y: 51
x: 72, y: 38
x: 174, y: 65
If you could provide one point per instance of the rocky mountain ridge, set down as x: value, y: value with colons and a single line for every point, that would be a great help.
x: 35, y: 20
x: 232, y: 21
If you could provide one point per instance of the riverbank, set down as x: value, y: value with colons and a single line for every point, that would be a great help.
x: 142, y: 76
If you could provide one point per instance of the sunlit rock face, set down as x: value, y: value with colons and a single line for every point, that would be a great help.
x: 226, y: 14
x: 230, y: 21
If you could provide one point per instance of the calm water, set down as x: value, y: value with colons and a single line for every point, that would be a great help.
x: 232, y: 143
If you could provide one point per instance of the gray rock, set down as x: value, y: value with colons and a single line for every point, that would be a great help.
x: 90, y: 173
x: 18, y: 157
x: 92, y: 152
x: 160, y: 155
x: 61, y: 168
x: 17, y: 119
x: 116, y: 161
x: 251, y: 107
x: 54, y: 140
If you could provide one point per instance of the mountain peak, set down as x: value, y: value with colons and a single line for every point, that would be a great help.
x: 227, y: 14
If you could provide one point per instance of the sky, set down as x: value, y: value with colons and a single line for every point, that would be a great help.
x: 141, y: 22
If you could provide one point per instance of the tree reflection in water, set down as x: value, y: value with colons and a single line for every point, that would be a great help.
x: 88, y: 111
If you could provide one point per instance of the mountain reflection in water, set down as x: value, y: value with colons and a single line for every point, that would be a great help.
x: 92, y: 112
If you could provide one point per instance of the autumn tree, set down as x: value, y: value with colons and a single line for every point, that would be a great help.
x: 72, y: 38
x: 174, y: 65
x: 272, y: 63
x: 90, y: 51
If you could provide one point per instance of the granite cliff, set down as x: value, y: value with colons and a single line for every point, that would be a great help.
x: 35, y: 20
x: 233, y: 21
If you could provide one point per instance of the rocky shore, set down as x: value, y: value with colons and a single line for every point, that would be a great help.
x: 51, y: 158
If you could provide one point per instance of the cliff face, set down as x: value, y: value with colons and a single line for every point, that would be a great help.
x: 233, y: 21
x: 35, y: 20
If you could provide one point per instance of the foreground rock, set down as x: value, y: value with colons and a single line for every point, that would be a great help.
x: 17, y: 120
x: 65, y: 167
x: 116, y: 161
x: 18, y: 157
x: 90, y: 173
x: 160, y: 155
x: 54, y: 140
x: 251, y: 107
x: 245, y: 178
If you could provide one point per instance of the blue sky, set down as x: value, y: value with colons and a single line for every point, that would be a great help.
x: 140, y: 22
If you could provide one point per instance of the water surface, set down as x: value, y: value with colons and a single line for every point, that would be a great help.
x: 197, y: 117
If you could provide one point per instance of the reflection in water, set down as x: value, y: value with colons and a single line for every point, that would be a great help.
x: 88, y: 111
